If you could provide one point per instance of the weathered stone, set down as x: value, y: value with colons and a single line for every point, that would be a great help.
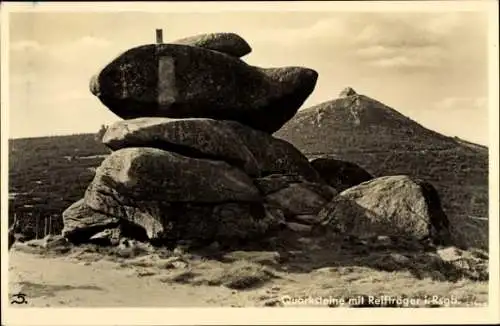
x: 257, y: 153
x: 107, y: 237
x: 298, y: 227
x: 55, y: 240
x: 173, y: 197
x: 194, y: 137
x: 340, y: 174
x: 391, y: 206
x: 307, y: 218
x: 226, y: 222
x: 275, y: 213
x: 81, y: 222
x: 275, y: 182
x: 275, y: 156
x: 382, y: 241
x: 348, y: 91
x: 259, y: 257
x: 150, y: 174
x: 49, y: 242
x: 228, y: 43
x: 202, y: 223
x: 297, y: 199
x: 179, y: 81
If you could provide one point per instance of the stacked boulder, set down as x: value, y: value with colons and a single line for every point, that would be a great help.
x: 194, y: 158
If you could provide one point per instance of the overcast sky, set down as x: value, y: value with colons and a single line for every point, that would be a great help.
x: 429, y: 66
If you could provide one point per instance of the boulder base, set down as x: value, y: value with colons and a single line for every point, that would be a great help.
x: 390, y: 206
x: 81, y: 222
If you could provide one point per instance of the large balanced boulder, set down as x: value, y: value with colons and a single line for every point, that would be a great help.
x: 340, y: 174
x: 256, y: 153
x: 390, y: 206
x: 181, y: 81
x: 193, y: 137
x: 150, y: 174
x: 228, y: 43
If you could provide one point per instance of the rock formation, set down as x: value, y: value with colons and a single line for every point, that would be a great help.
x: 183, y: 81
x: 228, y: 43
x: 190, y: 160
x: 388, y: 206
x: 194, y: 158
x: 348, y: 91
x: 255, y: 152
x: 340, y: 174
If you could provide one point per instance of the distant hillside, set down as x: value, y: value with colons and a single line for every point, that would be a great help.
x: 359, y: 123
x: 362, y: 130
x: 48, y: 174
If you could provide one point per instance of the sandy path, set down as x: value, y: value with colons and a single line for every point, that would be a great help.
x: 49, y: 282
x: 67, y: 281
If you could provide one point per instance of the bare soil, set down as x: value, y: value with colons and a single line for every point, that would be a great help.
x: 307, y: 273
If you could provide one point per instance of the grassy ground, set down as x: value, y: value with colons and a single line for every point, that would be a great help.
x: 48, y: 174
x: 302, y: 272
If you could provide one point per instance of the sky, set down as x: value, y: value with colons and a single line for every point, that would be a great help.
x: 432, y: 67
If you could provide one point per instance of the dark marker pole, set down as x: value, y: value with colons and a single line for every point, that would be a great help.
x: 159, y: 36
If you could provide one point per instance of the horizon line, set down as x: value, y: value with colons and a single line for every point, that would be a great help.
x: 94, y: 133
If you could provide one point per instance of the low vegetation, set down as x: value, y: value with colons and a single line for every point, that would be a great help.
x: 48, y: 174
x: 299, y: 270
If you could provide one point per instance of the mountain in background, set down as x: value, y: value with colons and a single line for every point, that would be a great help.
x: 364, y: 131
